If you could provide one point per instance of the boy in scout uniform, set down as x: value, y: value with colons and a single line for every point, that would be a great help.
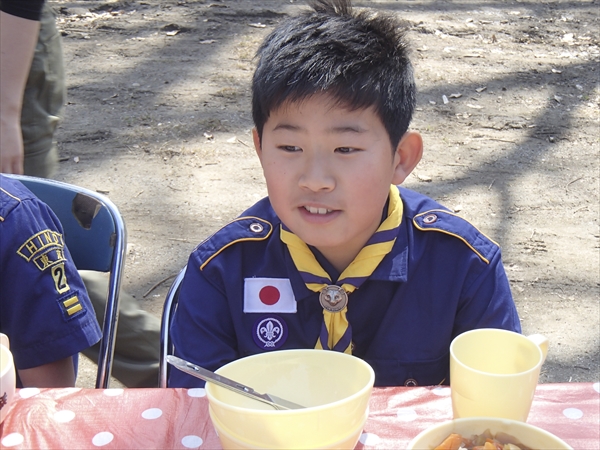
x: 46, y: 312
x: 338, y: 256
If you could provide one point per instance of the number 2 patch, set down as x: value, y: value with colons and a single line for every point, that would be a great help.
x: 60, y: 278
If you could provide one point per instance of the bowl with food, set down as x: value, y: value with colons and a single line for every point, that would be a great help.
x: 333, y: 389
x: 486, y: 433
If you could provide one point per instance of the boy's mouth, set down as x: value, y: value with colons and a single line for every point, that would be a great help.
x: 313, y: 210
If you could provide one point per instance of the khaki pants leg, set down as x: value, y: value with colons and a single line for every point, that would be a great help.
x: 43, y: 99
x: 137, y: 345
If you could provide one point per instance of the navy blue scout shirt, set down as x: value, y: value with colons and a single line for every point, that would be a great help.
x: 46, y: 312
x: 442, y: 277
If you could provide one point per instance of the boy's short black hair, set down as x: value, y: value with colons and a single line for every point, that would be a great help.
x: 359, y: 58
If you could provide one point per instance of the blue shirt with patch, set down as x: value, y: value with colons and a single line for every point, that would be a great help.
x: 443, y: 277
x: 46, y: 312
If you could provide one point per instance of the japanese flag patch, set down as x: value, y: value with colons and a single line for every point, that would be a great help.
x: 268, y: 295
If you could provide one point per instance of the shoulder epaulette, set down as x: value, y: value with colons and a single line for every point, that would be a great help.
x: 8, y: 202
x: 242, y: 229
x: 453, y: 225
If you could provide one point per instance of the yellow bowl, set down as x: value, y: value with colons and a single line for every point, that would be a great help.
x: 528, y: 435
x: 230, y: 441
x: 334, y: 387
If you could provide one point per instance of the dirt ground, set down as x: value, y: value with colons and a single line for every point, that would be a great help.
x: 158, y: 118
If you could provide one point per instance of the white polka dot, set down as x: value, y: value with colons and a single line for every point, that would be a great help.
x: 369, y: 439
x: 113, y: 392
x: 196, y: 392
x: 596, y: 387
x: 64, y: 416
x: 12, y: 439
x: 406, y: 414
x: 192, y: 441
x: 28, y: 392
x: 152, y: 413
x: 573, y: 413
x: 442, y: 391
x: 102, y: 438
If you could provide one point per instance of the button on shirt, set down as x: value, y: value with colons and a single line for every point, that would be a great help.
x: 442, y: 277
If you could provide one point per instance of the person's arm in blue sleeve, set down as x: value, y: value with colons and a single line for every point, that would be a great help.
x: 487, y: 301
x: 202, y: 330
x: 46, y: 311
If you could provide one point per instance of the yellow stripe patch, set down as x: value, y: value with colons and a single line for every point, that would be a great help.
x: 72, y: 305
x: 74, y: 309
x: 71, y: 301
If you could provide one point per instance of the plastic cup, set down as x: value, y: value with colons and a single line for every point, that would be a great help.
x: 7, y: 377
x: 494, y: 373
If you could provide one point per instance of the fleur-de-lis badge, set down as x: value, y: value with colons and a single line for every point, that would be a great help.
x: 270, y: 332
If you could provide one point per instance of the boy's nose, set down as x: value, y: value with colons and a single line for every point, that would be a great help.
x: 316, y: 175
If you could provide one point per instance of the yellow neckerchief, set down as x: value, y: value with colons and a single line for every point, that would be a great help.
x: 336, y: 332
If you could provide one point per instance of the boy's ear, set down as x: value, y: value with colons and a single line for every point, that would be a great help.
x: 256, y: 140
x: 407, y: 156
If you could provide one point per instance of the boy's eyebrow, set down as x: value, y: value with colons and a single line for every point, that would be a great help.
x: 287, y: 126
x: 332, y: 130
x: 346, y: 129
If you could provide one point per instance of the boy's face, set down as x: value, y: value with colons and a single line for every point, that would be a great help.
x: 328, y: 172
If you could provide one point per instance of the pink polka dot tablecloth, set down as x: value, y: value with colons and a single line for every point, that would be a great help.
x: 76, y: 418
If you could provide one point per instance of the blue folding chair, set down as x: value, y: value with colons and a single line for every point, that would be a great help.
x: 95, y: 234
x: 166, y: 346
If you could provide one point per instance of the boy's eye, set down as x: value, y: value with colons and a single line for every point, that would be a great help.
x: 345, y: 150
x: 290, y: 148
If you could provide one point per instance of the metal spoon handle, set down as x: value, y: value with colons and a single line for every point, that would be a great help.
x: 211, y: 377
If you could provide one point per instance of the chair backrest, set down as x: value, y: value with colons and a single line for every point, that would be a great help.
x: 166, y: 346
x: 95, y: 234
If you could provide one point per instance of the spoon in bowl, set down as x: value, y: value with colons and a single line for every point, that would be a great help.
x: 211, y: 377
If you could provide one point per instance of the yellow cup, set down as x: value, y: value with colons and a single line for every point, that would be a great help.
x: 494, y: 373
x: 7, y: 377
